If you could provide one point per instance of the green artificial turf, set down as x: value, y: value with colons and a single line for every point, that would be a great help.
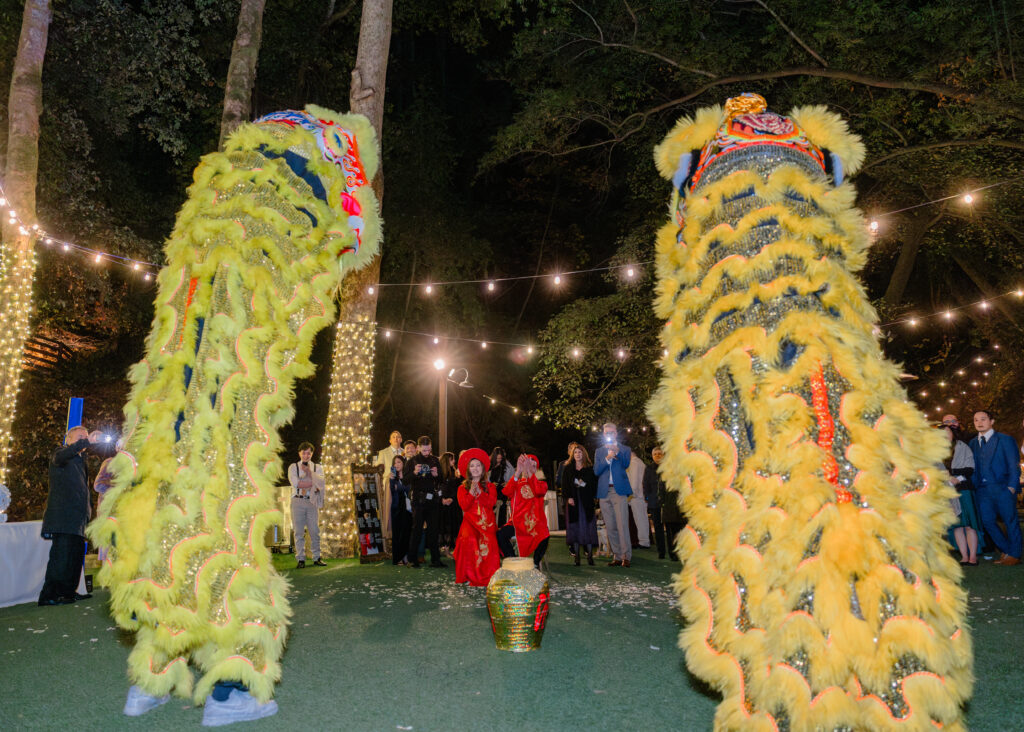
x: 374, y: 647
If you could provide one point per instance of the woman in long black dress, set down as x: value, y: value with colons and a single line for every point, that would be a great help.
x: 579, y: 490
x: 451, y: 514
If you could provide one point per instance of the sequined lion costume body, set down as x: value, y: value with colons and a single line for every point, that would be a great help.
x: 818, y: 591
x: 252, y: 266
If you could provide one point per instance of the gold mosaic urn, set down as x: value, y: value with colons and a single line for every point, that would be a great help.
x: 517, y: 601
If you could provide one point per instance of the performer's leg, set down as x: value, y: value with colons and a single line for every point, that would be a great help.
x: 156, y: 668
x: 538, y: 553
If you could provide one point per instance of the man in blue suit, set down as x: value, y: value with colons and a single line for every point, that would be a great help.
x: 997, y: 479
x: 613, y: 492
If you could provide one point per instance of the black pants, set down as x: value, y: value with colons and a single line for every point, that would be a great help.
x: 659, y: 530
x: 505, y: 534
x: 424, y: 513
x: 671, y: 530
x: 401, y: 527
x: 64, y: 567
x: 451, y: 522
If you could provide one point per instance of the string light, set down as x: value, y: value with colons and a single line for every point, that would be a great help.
x: 17, y: 272
x: 575, y: 353
x: 347, y: 436
x: 483, y: 344
x: 490, y: 286
x: 429, y: 289
x: 370, y: 290
x: 387, y: 334
x: 558, y: 279
x: 968, y: 198
x: 37, y: 233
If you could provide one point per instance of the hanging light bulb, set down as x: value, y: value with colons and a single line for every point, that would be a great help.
x: 387, y: 334
x: 483, y: 344
x: 370, y: 290
x: 490, y: 286
x: 874, y: 226
x: 968, y: 198
x: 558, y: 279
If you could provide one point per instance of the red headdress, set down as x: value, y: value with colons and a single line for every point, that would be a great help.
x: 474, y: 453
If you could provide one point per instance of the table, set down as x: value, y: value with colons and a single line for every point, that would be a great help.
x: 23, y: 556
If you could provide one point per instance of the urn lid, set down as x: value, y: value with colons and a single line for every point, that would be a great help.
x: 517, y: 564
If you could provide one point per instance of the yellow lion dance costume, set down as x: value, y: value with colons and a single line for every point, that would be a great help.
x: 817, y: 587
x: 252, y: 266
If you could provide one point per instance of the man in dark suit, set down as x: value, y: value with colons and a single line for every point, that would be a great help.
x: 997, y: 479
x: 422, y: 475
x: 67, y: 513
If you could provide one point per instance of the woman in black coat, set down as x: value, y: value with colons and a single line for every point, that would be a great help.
x: 579, y: 491
x: 401, y: 513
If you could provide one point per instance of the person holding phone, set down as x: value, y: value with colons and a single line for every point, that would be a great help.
x: 423, y: 476
x: 613, y: 493
x: 307, y: 481
x: 67, y: 512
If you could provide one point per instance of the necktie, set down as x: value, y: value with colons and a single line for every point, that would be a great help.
x: 984, y: 440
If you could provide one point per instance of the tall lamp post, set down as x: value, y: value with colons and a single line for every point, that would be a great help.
x: 442, y: 399
x: 442, y: 407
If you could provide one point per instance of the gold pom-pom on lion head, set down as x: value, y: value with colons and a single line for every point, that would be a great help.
x: 745, y: 121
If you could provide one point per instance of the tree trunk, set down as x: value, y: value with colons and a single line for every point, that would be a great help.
x: 347, y: 436
x: 919, y: 226
x: 242, y: 71
x: 17, y: 260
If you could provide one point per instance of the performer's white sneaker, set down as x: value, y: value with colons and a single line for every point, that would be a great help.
x: 240, y: 706
x: 139, y: 702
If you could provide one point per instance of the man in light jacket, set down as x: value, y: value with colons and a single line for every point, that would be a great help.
x: 613, y: 491
x: 307, y: 481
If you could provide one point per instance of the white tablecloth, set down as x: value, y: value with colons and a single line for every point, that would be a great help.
x: 23, y: 556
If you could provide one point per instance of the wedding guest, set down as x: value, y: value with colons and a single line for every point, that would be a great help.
x: 653, y: 487
x: 611, y: 460
x: 423, y: 475
x: 579, y: 491
x: 500, y: 473
x: 451, y: 513
x: 307, y: 481
x: 997, y: 480
x: 401, y: 512
x: 961, y: 466
x: 476, y: 550
x: 384, y: 457
x: 527, y: 522
x: 67, y: 512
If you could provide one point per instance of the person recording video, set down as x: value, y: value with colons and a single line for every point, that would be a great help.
x: 423, y: 476
x: 67, y: 513
x: 307, y: 481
